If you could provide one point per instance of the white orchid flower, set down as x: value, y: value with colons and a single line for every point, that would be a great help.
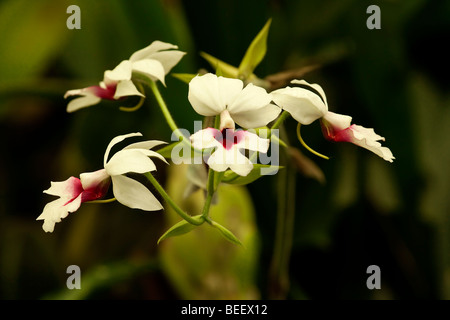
x: 116, y: 84
x: 154, y: 61
x: 94, y: 185
x: 248, y: 106
x: 307, y: 102
x: 228, y: 144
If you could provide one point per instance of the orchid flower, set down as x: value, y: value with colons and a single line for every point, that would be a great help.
x: 307, y: 103
x: 248, y: 106
x: 154, y: 61
x: 94, y: 185
x: 116, y: 84
x: 228, y: 144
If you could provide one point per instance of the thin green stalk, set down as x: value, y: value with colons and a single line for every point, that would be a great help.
x: 165, y: 110
x: 213, y: 181
x: 172, y: 203
x: 102, y: 201
x: 280, y: 120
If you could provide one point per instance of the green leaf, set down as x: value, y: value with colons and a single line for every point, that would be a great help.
x: 233, y: 178
x: 178, y: 229
x: 226, y: 70
x: 255, y: 52
x: 226, y: 233
x: 185, y: 77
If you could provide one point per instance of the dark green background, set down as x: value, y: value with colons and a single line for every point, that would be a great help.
x: 396, y: 216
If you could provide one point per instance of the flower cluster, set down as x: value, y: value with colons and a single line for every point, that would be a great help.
x: 239, y: 108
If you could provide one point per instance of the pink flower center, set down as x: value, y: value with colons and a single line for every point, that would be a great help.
x: 332, y: 134
x: 228, y: 137
x: 105, y: 93
x: 89, y: 194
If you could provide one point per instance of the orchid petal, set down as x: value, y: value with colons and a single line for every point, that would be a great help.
x: 82, y: 102
x: 126, y: 88
x: 133, y: 194
x: 91, y: 180
x: 209, y: 95
x: 131, y: 160
x: 67, y: 189
x: 315, y: 86
x: 56, y: 210
x: 250, y: 98
x: 337, y: 121
x: 149, y: 144
x: 151, y: 68
x: 258, y: 117
x: 368, y: 139
x: 168, y: 59
x: 121, y: 72
x: 117, y: 140
x: 252, y: 141
x: 151, y: 49
x: 304, y: 105
x: 206, y: 138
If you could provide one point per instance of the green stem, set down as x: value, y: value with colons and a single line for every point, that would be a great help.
x: 299, y: 136
x: 213, y: 181
x: 165, y: 110
x: 280, y: 120
x: 172, y: 203
x: 102, y: 201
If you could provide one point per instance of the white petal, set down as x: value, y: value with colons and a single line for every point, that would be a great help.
x: 126, y: 88
x: 149, y: 144
x: 368, y: 139
x: 229, y: 89
x: 151, y: 68
x: 67, y: 189
x: 82, y: 102
x: 337, y: 121
x: 93, y: 179
x: 206, y: 138
x: 131, y: 160
x: 134, y: 195
x: 168, y: 59
x: 242, y: 166
x: 251, y: 98
x: 257, y: 118
x: 117, y: 140
x: 251, y: 141
x: 209, y: 95
x: 315, y: 86
x: 121, y: 72
x: 154, y: 47
x: 304, y: 105
x: 56, y: 210
x: 222, y: 159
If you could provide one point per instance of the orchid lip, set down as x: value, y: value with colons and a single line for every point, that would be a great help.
x: 104, y: 93
x: 228, y: 137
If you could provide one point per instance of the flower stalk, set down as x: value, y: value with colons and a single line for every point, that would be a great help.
x: 195, y: 221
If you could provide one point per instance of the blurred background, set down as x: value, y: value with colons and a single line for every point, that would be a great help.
x: 310, y: 232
